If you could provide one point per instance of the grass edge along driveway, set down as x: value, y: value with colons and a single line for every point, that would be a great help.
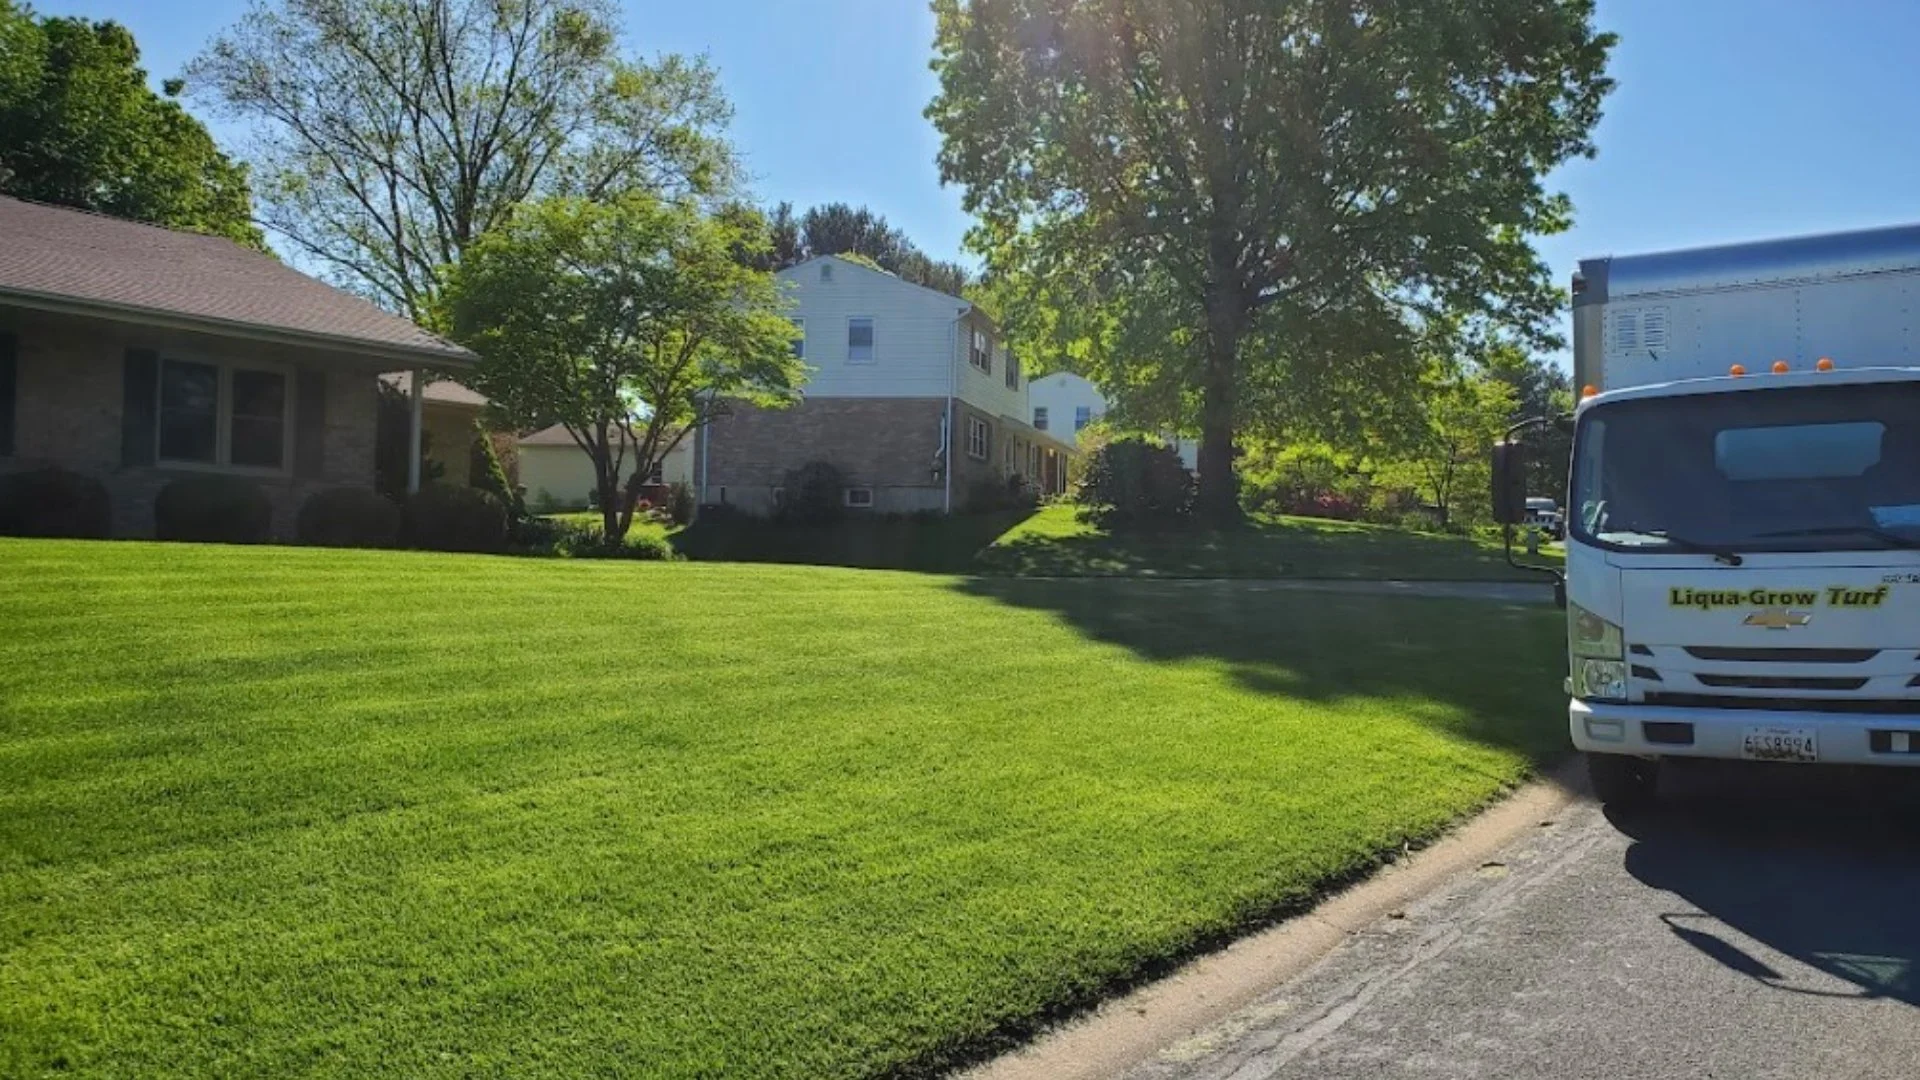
x: 279, y: 811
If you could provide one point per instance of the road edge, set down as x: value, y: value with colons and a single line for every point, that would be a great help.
x: 1129, y: 1029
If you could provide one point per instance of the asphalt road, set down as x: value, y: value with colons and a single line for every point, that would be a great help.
x: 1758, y: 924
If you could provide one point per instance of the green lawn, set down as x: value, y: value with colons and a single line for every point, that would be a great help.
x: 1055, y: 542
x: 274, y: 811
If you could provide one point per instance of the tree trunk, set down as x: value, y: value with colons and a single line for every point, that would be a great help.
x: 608, y: 484
x: 1219, y: 498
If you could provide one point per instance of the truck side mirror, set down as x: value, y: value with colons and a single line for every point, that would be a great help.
x: 1509, y: 482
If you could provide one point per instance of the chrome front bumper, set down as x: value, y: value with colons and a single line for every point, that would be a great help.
x: 1601, y: 727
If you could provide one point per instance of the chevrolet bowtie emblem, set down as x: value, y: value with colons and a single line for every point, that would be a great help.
x: 1778, y: 618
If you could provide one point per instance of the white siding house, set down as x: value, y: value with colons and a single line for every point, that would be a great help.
x: 557, y: 475
x: 1063, y: 403
x: 893, y: 368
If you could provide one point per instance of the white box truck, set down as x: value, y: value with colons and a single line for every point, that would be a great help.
x: 1743, y: 514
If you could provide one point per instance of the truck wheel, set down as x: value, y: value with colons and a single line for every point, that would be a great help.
x: 1622, y: 782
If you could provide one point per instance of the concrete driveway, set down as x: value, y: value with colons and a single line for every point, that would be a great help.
x: 1761, y: 924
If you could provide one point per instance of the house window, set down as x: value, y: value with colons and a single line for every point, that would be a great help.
x: 981, y: 354
x: 978, y: 439
x: 189, y: 412
x: 1039, y: 418
x: 860, y: 340
x: 1082, y: 416
x: 658, y: 474
x: 211, y: 414
x: 1008, y: 457
x: 1013, y: 371
x: 1033, y: 462
x: 800, y: 339
x: 860, y: 498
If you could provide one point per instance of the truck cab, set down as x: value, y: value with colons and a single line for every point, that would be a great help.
x: 1743, y: 509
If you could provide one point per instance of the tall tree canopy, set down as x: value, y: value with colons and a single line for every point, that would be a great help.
x: 392, y: 134
x: 80, y: 127
x: 840, y: 229
x: 631, y: 323
x: 1237, y: 170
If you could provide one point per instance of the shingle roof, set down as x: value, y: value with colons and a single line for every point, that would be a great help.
x: 53, y: 253
x: 443, y: 390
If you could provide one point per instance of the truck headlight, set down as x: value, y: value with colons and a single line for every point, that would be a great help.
x: 1599, y: 680
x: 1590, y: 635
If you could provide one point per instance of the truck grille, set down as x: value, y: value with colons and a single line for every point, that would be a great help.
x: 1863, y: 680
x: 1778, y: 682
x: 1781, y: 656
x: 1875, y: 706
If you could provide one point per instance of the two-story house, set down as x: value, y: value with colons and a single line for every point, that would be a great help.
x: 1063, y: 403
x: 911, y: 393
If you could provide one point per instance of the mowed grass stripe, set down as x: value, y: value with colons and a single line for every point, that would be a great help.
x: 288, y: 811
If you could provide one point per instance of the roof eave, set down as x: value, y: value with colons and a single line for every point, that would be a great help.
x: 453, y: 358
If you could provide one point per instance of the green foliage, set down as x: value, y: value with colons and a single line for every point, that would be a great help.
x: 54, y: 502
x: 329, y: 814
x: 393, y: 135
x: 348, y: 517
x: 1308, y: 479
x: 80, y: 127
x: 213, y: 509
x: 629, y: 322
x: 1059, y: 541
x: 489, y: 475
x: 813, y: 494
x: 1447, y: 449
x: 680, y: 503
x: 1131, y: 481
x: 448, y: 517
x: 1540, y: 389
x: 1173, y: 192
x: 994, y: 495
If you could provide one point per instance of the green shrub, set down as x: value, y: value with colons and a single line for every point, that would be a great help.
x: 991, y: 496
x: 590, y: 544
x: 213, y: 509
x: 54, y: 502
x: 679, y: 503
x: 489, y: 475
x: 348, y: 517
x: 1131, y: 481
x: 447, y: 517
x: 813, y: 494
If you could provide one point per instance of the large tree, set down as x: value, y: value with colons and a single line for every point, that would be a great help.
x: 80, y: 127
x: 631, y: 323
x: 1233, y: 166
x: 842, y: 229
x: 392, y: 133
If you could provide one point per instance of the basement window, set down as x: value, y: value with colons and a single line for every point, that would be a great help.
x: 859, y: 498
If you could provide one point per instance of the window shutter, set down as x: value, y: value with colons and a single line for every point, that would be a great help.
x: 310, y: 424
x: 138, y: 406
x: 9, y: 395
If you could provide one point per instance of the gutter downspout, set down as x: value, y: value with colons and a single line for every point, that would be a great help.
x: 946, y: 434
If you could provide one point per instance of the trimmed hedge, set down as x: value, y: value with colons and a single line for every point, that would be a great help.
x: 349, y: 517
x: 54, y: 502
x: 213, y: 509
x: 447, y: 517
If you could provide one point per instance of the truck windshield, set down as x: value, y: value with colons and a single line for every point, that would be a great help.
x: 1791, y: 469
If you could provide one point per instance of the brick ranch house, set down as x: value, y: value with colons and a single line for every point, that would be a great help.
x: 135, y: 354
x: 903, y: 381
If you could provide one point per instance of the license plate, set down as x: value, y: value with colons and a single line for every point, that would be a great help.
x: 1780, y: 744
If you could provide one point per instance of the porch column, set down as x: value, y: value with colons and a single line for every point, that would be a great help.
x: 414, y: 433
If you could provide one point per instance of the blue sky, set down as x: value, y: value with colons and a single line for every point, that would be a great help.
x: 1734, y: 119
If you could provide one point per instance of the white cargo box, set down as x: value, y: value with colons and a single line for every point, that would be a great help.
x: 1645, y: 319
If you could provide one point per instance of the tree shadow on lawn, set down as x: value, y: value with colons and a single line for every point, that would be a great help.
x: 1494, y: 669
x: 939, y: 545
x: 1262, y: 548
